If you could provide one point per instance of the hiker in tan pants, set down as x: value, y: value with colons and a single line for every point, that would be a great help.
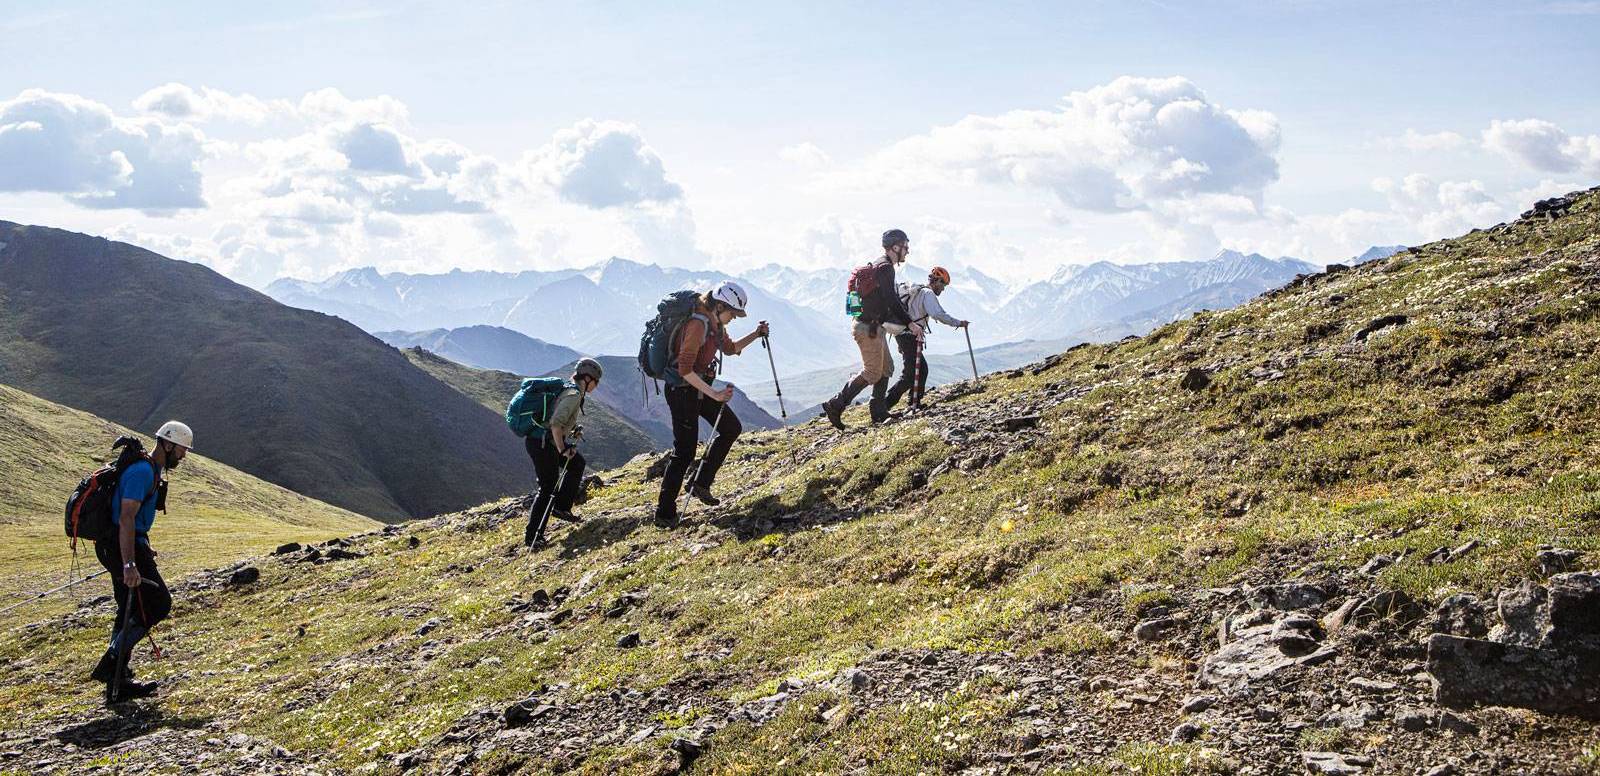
x: 881, y: 316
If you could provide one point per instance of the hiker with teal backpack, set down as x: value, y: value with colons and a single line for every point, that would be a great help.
x: 116, y: 507
x: 545, y: 413
x: 683, y: 345
x: 879, y: 314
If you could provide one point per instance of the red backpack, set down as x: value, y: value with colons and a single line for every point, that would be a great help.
x: 864, y: 280
x: 90, y: 508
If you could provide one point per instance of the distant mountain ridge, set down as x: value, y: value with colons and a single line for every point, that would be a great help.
x: 300, y: 399
x: 598, y: 309
x: 610, y: 438
x: 601, y: 308
x: 485, y: 347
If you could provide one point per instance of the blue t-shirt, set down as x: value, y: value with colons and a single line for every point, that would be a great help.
x: 139, y: 484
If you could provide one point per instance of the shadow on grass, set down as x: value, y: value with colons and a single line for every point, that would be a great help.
x: 127, y: 721
x: 598, y: 531
x: 770, y: 515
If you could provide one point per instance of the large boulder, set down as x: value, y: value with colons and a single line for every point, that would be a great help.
x: 1468, y: 672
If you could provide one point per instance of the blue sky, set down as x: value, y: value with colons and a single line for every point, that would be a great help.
x: 700, y: 133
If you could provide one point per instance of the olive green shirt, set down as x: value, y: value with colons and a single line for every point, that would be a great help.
x: 565, y: 415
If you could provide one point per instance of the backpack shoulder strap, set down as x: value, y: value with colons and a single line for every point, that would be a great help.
x: 910, y: 296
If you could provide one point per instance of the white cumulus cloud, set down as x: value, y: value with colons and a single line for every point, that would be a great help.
x: 1543, y: 146
x: 181, y: 102
x: 330, y: 104
x: 1442, y: 208
x: 1132, y: 144
x: 77, y: 147
x: 602, y: 164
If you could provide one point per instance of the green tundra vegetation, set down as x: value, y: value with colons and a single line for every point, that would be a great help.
x: 1312, y: 428
x: 218, y: 514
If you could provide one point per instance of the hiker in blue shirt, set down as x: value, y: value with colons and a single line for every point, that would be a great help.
x: 136, y: 584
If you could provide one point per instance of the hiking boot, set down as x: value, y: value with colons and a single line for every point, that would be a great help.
x: 835, y: 407
x: 666, y: 518
x: 702, y: 494
x: 129, y: 690
x: 538, y: 543
x: 835, y: 414
x: 565, y: 515
x: 879, y: 410
x: 107, y: 665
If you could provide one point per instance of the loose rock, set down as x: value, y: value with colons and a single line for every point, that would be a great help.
x: 1154, y: 630
x: 1333, y: 763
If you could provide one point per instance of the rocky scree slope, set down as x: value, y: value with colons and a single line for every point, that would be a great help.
x: 1228, y: 546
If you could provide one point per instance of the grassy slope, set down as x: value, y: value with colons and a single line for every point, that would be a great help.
x: 804, y: 393
x: 609, y: 439
x: 1478, y: 419
x: 216, y: 514
x: 297, y: 398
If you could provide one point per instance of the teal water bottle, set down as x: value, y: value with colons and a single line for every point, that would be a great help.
x: 852, y: 304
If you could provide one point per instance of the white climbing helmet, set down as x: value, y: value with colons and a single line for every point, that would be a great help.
x: 176, y: 433
x: 732, y: 295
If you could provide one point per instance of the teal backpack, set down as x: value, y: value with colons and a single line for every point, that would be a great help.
x: 530, y: 409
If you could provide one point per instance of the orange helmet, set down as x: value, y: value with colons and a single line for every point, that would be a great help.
x: 940, y: 274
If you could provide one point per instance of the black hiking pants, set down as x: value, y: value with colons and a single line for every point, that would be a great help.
x: 140, y: 612
x: 688, y: 406
x: 913, y: 375
x: 547, y: 470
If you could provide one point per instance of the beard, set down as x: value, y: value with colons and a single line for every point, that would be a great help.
x: 172, y: 460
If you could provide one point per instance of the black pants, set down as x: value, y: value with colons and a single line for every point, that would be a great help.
x: 153, y: 602
x: 913, y: 374
x: 546, y: 470
x: 688, y: 406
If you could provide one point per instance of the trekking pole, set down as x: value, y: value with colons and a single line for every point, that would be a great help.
x: 695, y: 474
x: 31, y: 597
x: 550, y: 504
x: 974, y: 359
x: 766, y: 343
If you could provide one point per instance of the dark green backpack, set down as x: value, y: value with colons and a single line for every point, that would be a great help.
x: 529, y: 411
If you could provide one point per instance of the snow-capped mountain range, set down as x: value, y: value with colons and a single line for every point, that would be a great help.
x: 602, y: 308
